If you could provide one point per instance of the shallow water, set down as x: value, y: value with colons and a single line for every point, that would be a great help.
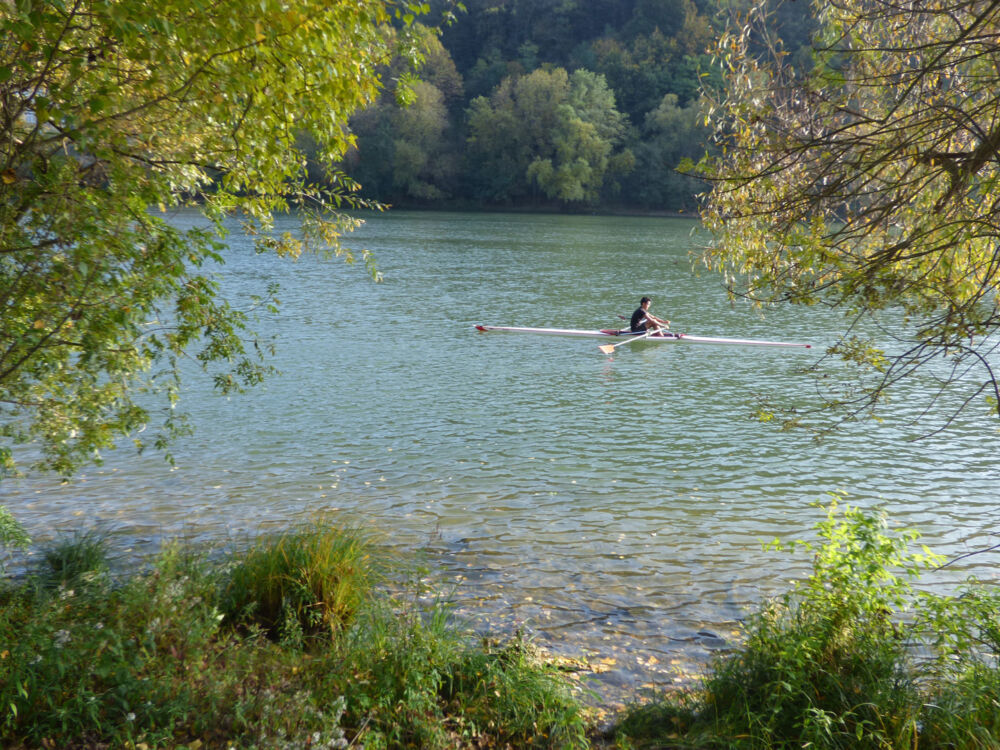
x: 610, y: 508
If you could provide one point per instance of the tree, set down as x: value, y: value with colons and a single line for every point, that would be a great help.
x: 651, y: 15
x: 583, y: 160
x: 405, y: 148
x: 869, y: 182
x: 550, y: 130
x: 640, y: 73
x: 438, y: 69
x: 670, y: 134
x: 112, y: 112
x: 423, y: 164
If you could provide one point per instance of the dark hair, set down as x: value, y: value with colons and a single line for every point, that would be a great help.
x: 644, y: 300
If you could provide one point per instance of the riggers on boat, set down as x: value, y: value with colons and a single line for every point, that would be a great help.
x: 660, y: 336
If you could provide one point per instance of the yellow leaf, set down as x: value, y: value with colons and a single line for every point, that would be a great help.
x: 38, y: 324
x: 9, y: 176
x: 259, y: 30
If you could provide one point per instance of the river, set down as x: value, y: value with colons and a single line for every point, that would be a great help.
x: 612, y: 509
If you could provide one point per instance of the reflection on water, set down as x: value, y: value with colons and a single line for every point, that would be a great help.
x: 611, y: 507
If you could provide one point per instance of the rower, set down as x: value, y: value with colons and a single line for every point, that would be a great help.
x: 642, y: 319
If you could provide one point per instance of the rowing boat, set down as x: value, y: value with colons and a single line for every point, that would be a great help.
x: 660, y: 337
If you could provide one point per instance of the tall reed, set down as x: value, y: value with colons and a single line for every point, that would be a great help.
x: 303, y: 582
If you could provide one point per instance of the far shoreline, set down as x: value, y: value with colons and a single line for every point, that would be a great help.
x: 543, y: 210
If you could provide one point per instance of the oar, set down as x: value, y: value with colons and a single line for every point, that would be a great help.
x: 609, y: 348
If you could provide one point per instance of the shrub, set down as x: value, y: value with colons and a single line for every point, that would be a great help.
x: 301, y: 583
x: 850, y: 657
x: 509, y: 691
x: 962, y: 703
x: 824, y: 663
x: 12, y: 534
x: 413, y: 679
x: 105, y: 661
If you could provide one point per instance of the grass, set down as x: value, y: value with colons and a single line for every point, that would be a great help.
x: 301, y: 583
x: 70, y: 560
x: 286, y: 645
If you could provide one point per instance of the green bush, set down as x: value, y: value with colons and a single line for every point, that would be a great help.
x: 850, y: 657
x: 147, y: 661
x: 107, y: 661
x: 412, y: 678
x: 389, y: 667
x: 12, y: 534
x: 823, y: 664
x: 301, y: 583
x: 962, y: 703
x: 507, y: 690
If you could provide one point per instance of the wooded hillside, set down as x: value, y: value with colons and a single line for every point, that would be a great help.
x: 568, y: 104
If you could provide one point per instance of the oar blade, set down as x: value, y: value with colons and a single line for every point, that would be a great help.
x: 607, y: 348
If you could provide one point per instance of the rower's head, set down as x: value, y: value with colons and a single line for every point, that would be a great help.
x: 644, y: 302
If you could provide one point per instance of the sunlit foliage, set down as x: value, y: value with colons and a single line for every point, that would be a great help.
x: 868, y: 181
x: 113, y: 112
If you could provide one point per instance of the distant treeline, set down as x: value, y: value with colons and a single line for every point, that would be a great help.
x: 550, y: 104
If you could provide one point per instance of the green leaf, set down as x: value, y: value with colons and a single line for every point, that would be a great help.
x: 161, y: 109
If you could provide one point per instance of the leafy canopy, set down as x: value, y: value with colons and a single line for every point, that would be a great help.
x: 550, y: 129
x: 406, y: 149
x: 115, y: 111
x: 870, y: 181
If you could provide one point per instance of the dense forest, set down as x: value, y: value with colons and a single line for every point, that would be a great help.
x: 557, y: 104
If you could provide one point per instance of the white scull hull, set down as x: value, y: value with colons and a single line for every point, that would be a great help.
x: 657, y: 338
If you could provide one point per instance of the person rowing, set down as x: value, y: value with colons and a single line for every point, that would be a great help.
x: 643, y: 320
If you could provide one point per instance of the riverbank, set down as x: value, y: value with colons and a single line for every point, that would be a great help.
x: 317, y: 638
x: 544, y: 209
x: 292, y: 643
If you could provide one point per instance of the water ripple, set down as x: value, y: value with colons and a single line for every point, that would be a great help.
x: 607, y: 506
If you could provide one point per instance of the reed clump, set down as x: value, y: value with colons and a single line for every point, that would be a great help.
x: 74, y: 558
x: 302, y: 582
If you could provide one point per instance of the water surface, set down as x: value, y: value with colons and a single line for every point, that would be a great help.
x: 610, y: 508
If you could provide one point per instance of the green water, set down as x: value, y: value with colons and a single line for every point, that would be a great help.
x: 608, y: 507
